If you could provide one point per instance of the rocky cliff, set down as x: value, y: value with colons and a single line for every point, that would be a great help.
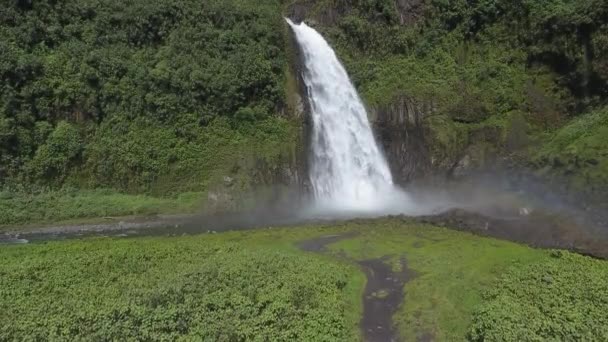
x: 401, y: 131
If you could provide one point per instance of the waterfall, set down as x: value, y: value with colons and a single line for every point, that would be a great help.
x: 348, y: 171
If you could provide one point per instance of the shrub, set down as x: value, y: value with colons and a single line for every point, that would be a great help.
x: 562, y: 299
x: 53, y: 159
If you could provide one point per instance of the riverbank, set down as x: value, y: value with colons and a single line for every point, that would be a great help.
x: 540, y: 229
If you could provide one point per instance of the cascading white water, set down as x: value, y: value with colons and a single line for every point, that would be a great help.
x: 348, y: 170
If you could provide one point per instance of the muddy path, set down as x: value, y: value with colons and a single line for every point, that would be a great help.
x: 382, y: 298
x: 319, y: 244
x: 383, y: 293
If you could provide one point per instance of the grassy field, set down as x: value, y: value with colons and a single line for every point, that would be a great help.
x: 258, y: 285
x: 80, y: 205
x: 233, y: 286
x: 453, y: 269
x: 463, y: 278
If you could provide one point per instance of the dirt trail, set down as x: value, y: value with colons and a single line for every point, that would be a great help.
x: 382, y: 297
x: 383, y: 292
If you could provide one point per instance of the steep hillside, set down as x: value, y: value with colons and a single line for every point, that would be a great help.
x: 104, y: 100
x: 147, y: 98
x: 457, y: 86
x: 139, y: 97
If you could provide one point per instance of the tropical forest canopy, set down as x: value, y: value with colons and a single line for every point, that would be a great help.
x: 158, y: 96
x: 112, y: 93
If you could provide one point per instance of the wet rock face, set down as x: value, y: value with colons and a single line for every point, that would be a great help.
x: 400, y: 131
x: 283, y: 172
x: 410, y: 11
x: 299, y: 165
x: 309, y: 10
x: 267, y: 182
x: 462, y: 168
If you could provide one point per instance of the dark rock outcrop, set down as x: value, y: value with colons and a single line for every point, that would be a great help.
x: 328, y: 14
x: 410, y: 11
x: 399, y: 128
x: 300, y: 109
x: 309, y: 10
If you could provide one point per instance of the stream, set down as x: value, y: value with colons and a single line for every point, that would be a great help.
x: 383, y: 293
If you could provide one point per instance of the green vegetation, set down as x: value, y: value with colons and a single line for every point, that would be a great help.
x: 257, y: 285
x: 170, y: 97
x: 580, y: 149
x: 64, y: 205
x: 559, y: 298
x: 142, y: 98
x: 470, y: 65
x: 233, y: 286
x: 114, y: 108
x: 507, y: 291
x: 452, y: 269
x: 219, y: 153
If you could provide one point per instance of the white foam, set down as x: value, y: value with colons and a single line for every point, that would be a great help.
x: 349, y: 173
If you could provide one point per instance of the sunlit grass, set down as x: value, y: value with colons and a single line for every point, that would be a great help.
x: 454, y: 270
x: 206, y: 285
x: 53, y: 207
x: 232, y: 286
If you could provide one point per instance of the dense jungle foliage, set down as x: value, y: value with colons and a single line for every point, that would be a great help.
x: 130, y: 95
x: 166, y: 97
x: 561, y: 298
